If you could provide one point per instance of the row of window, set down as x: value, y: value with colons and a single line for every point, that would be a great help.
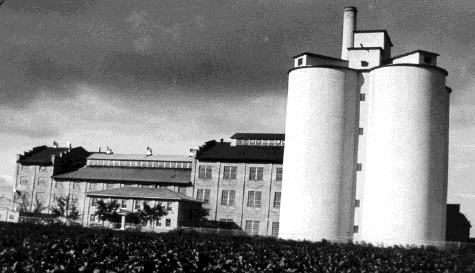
x: 252, y: 228
x: 41, y: 169
x: 123, y: 203
x: 254, y: 198
x: 93, y: 218
x: 41, y: 181
x: 260, y: 142
x: 230, y: 173
x: 95, y: 186
x: 139, y: 164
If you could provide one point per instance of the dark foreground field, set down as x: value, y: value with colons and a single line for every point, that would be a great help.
x: 35, y: 248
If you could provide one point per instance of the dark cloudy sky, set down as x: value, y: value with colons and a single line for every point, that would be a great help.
x: 174, y: 74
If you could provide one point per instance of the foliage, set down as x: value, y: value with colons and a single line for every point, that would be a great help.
x: 197, y: 214
x: 66, y: 207
x: 54, y: 248
x: 107, y: 211
x: 39, y: 207
x: 152, y: 214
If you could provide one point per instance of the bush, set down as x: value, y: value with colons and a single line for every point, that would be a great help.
x: 58, y: 248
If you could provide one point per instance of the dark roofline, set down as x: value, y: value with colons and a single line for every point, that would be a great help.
x: 375, y: 30
x: 322, y: 66
x: 319, y: 56
x: 412, y: 52
x: 271, y: 136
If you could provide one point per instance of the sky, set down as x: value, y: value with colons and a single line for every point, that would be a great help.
x: 174, y: 74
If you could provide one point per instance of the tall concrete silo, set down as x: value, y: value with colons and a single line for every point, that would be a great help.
x: 405, y: 190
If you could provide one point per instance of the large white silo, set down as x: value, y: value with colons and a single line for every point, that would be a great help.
x: 405, y: 189
x: 320, y: 154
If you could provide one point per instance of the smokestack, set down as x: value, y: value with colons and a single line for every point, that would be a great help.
x: 349, y: 26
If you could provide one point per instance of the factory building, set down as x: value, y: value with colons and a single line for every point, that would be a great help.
x: 34, y: 169
x: 240, y: 181
x: 366, y: 152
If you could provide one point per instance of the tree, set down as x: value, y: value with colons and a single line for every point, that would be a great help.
x: 197, y: 214
x: 152, y: 214
x: 39, y: 207
x: 107, y: 211
x: 66, y: 207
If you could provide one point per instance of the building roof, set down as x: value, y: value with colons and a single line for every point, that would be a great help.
x: 224, y: 152
x: 161, y: 193
x: 41, y: 155
x: 130, y: 175
x: 141, y: 157
x: 261, y: 136
x: 317, y: 56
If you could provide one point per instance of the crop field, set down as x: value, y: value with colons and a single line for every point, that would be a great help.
x: 54, y: 248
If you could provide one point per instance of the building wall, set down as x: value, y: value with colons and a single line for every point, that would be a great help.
x: 37, y: 187
x: 240, y: 212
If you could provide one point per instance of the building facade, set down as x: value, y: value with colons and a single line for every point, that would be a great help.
x: 112, y: 176
x: 240, y: 181
x: 34, y: 169
x: 366, y: 155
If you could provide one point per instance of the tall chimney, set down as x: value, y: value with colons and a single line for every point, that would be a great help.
x: 349, y: 26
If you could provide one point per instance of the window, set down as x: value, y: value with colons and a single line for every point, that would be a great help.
x: 226, y: 220
x: 277, y: 196
x: 169, y: 205
x: 364, y: 64
x: 74, y: 199
x: 355, y: 229
x: 359, y: 166
x: 109, y: 185
x: 256, y: 173
x: 278, y: 174
x: 168, y: 222
x: 76, y: 185
x: 23, y: 180
x: 94, y: 202
x: 254, y: 199
x: 158, y: 222
x: 123, y: 203
x: 252, y: 142
x: 300, y: 61
x: 238, y: 142
x: 360, y: 131
x: 43, y: 168
x: 205, y: 172
x: 161, y: 164
x: 245, y: 142
x: 357, y: 203
x: 252, y: 227
x: 229, y: 172
x: 92, y: 186
x: 11, y: 217
x: 41, y: 181
x: 227, y: 197
x: 203, y: 195
x: 258, y: 142
x: 275, y: 229
x: 23, y: 167
x: 362, y: 97
x: 92, y: 218
x: 137, y: 204
x: 40, y: 195
x: 58, y: 184
x: 182, y: 190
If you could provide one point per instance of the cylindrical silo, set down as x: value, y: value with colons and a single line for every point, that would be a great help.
x: 320, y: 154
x: 405, y: 189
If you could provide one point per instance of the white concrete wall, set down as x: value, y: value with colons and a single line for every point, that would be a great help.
x: 369, y: 39
x: 371, y: 56
x: 405, y: 187
x: 409, y: 59
x: 320, y: 154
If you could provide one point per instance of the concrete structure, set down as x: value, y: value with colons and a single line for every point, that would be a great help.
x: 367, y: 144
x: 33, y: 171
x: 240, y: 181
